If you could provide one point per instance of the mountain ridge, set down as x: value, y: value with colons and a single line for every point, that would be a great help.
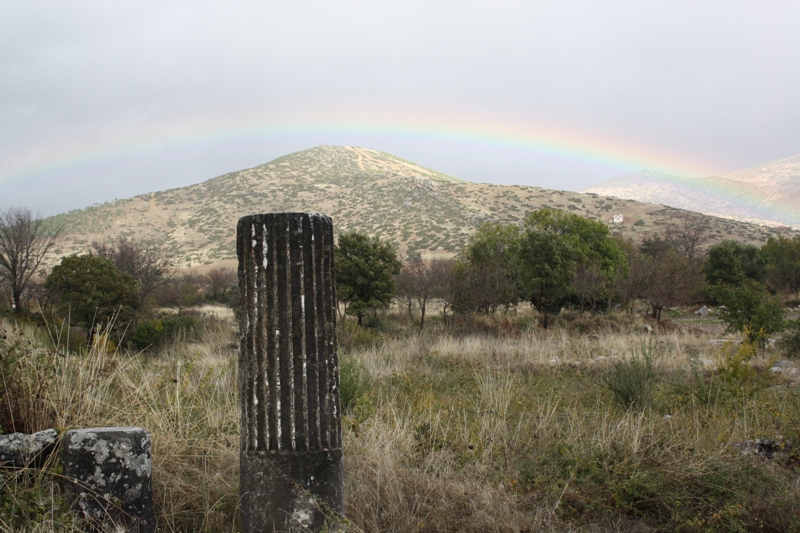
x: 365, y: 190
x: 764, y: 194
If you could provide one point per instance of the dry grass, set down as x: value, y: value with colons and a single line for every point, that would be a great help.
x: 511, y: 430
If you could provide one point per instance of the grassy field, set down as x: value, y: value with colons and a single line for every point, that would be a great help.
x: 484, y: 424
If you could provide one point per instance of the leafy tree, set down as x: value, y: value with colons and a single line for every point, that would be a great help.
x: 591, y: 240
x: 791, y: 340
x: 748, y: 307
x: 91, y: 291
x: 731, y: 262
x: 655, y: 247
x: 486, y: 274
x: 25, y: 239
x: 365, y: 273
x: 564, y: 255
x: 548, y: 270
x: 782, y: 256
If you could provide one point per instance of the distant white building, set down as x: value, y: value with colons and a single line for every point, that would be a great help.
x: 617, y: 219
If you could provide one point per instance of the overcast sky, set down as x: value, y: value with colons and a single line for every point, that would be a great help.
x: 102, y: 100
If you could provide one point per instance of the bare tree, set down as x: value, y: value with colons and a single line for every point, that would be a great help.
x: 628, y: 286
x: 688, y: 233
x: 664, y: 277
x: 182, y: 292
x: 421, y: 281
x: 441, y: 277
x: 25, y: 239
x: 591, y: 283
x: 415, y: 282
x: 146, y: 263
x: 219, y: 282
x: 406, y: 289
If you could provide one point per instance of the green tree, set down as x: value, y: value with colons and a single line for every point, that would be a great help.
x: 748, y: 307
x: 731, y: 262
x: 555, y: 247
x: 365, y: 273
x: 591, y: 240
x: 487, y: 272
x: 91, y: 291
x: 782, y: 256
x: 548, y: 271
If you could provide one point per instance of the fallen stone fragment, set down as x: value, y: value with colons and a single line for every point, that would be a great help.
x: 108, y: 474
x: 768, y: 448
x: 21, y: 450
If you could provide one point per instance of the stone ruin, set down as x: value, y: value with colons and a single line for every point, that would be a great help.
x: 291, y: 451
x: 108, y: 474
x: 291, y: 439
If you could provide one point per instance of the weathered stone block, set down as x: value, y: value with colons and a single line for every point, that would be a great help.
x: 291, y: 454
x: 108, y: 474
x: 20, y: 450
x: 291, y: 491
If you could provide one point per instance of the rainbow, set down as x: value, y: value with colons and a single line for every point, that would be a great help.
x: 533, y: 143
x: 471, y: 129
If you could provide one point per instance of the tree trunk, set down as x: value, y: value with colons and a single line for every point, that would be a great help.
x: 17, y: 301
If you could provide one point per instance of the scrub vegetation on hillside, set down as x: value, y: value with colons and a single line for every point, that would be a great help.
x: 362, y: 190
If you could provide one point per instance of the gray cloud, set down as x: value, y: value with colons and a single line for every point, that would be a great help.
x: 708, y: 81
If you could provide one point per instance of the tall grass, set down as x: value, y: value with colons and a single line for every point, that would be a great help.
x: 514, y: 429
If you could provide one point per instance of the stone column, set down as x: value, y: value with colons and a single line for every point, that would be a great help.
x: 107, y: 474
x: 291, y: 451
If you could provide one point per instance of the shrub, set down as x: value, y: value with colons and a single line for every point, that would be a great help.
x: 351, y: 336
x: 92, y: 292
x: 735, y: 377
x: 733, y: 368
x: 749, y: 308
x: 632, y: 380
x: 147, y: 334
x: 354, y: 381
x: 155, y: 333
x: 791, y: 340
x: 28, y: 497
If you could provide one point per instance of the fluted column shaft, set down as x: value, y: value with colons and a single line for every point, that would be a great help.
x: 291, y: 469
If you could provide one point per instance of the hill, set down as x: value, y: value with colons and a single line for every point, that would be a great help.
x: 361, y: 189
x: 765, y: 194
